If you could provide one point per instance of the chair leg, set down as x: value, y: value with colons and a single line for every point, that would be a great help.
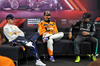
x: 46, y: 51
x: 16, y: 63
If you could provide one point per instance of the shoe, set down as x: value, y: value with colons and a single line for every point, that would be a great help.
x: 40, y: 63
x: 77, y: 59
x: 89, y: 55
x: 29, y: 44
x: 94, y: 58
x: 52, y: 59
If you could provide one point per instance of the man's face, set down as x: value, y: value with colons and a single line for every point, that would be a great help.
x: 46, y: 17
x: 11, y: 21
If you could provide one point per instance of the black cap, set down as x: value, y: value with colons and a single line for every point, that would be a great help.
x: 10, y: 16
x: 86, y: 15
x: 47, y: 13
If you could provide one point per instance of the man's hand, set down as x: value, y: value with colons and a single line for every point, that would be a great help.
x: 85, y: 33
x: 48, y: 26
x: 70, y: 35
x: 16, y: 32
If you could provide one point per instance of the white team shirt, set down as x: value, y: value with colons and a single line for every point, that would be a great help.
x: 9, y: 31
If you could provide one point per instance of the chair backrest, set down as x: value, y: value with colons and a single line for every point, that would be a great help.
x: 28, y: 31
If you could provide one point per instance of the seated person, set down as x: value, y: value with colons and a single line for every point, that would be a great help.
x: 49, y: 31
x: 14, y: 34
x: 4, y: 61
x: 86, y: 32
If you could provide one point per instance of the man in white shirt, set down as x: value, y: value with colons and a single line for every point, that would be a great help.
x: 14, y: 34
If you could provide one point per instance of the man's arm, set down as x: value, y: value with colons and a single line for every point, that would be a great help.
x: 72, y: 27
x: 8, y: 33
x: 93, y: 30
x: 41, y: 28
x: 90, y: 33
x: 19, y: 32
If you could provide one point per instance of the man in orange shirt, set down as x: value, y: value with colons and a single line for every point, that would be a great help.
x: 49, y: 32
x: 4, y: 61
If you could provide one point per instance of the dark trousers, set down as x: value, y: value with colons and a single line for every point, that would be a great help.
x: 79, y: 39
x: 24, y: 40
x: 33, y: 37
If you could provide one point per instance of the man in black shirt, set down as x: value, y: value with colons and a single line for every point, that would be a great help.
x: 86, y: 32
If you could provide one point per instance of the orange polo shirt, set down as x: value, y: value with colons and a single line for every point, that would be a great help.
x: 51, y: 30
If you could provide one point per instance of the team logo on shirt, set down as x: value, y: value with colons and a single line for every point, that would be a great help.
x: 45, y: 24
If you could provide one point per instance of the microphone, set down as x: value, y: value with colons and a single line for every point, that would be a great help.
x: 48, y: 19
